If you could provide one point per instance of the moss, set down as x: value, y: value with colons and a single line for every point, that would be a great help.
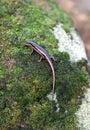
x: 25, y: 83
x: 60, y: 15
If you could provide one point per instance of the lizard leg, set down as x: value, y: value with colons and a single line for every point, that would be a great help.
x: 40, y: 59
x: 31, y: 51
x: 53, y: 58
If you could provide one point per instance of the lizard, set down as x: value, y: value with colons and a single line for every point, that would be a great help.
x: 44, y: 54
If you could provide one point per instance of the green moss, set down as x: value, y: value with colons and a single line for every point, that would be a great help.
x: 60, y: 15
x: 25, y: 83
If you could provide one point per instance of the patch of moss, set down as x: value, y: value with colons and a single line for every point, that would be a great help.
x: 25, y: 83
x: 60, y: 15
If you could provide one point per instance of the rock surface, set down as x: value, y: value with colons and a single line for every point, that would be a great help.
x: 79, y: 11
x: 75, y: 47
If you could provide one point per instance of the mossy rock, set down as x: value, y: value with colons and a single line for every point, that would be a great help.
x: 25, y: 83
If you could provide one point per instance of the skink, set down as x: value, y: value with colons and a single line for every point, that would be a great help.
x: 44, y: 54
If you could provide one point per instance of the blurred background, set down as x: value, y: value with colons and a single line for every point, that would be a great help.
x: 79, y: 11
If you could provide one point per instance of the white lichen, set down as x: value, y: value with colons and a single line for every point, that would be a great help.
x: 49, y: 96
x: 72, y: 43
x: 83, y: 114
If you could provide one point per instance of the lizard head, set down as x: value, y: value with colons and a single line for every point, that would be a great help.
x: 27, y: 43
